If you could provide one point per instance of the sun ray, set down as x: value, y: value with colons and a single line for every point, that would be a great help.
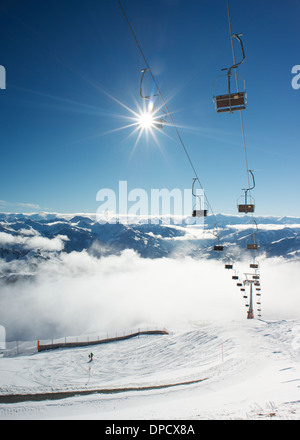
x: 136, y: 143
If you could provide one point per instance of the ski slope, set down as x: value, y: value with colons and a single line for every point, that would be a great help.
x: 224, y: 370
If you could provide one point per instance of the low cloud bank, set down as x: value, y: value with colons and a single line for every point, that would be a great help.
x: 33, y: 241
x: 78, y: 294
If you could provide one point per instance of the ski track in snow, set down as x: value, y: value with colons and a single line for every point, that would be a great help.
x: 252, y: 370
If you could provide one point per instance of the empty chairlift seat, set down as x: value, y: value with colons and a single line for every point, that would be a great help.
x: 246, y: 203
x: 252, y: 247
x: 228, y: 266
x: 219, y: 248
x: 246, y: 209
x: 200, y: 213
x: 230, y: 102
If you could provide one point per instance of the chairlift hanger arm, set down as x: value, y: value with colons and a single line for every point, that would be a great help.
x: 255, y: 222
x: 236, y: 65
x: 252, y: 234
x: 141, y: 86
x: 193, y: 192
x: 194, y: 181
x: 144, y: 71
x: 253, y: 179
x: 237, y: 36
x: 253, y: 182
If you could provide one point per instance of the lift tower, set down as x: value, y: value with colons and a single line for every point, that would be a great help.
x: 250, y: 283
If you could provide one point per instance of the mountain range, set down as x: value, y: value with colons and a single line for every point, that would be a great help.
x: 40, y: 235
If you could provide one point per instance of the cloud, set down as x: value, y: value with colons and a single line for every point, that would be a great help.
x: 20, y: 205
x: 33, y: 242
x: 78, y: 293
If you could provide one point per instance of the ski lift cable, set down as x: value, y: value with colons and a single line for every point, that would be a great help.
x: 237, y: 85
x: 167, y: 109
x: 241, y: 115
x: 232, y: 36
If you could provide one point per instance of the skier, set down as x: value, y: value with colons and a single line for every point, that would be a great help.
x: 91, y: 357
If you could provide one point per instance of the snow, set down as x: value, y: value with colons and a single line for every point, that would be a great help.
x: 249, y: 370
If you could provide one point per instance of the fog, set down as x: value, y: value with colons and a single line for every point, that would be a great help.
x: 77, y: 294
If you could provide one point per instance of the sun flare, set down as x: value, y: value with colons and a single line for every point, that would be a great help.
x: 146, y: 121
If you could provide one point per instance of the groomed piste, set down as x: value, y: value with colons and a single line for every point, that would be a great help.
x: 245, y: 369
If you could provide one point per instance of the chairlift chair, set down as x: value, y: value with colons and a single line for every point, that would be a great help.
x: 246, y: 208
x: 232, y: 100
x: 253, y: 245
x: 160, y: 123
x: 219, y: 248
x: 246, y: 202
x: 228, y: 266
x: 199, y: 213
x: 143, y: 96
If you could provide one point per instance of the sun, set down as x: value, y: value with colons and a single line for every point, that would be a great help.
x: 146, y: 121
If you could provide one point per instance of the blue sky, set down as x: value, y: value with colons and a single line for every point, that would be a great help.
x: 69, y: 65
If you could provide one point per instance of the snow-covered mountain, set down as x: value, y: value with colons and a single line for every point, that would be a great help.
x: 38, y: 235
